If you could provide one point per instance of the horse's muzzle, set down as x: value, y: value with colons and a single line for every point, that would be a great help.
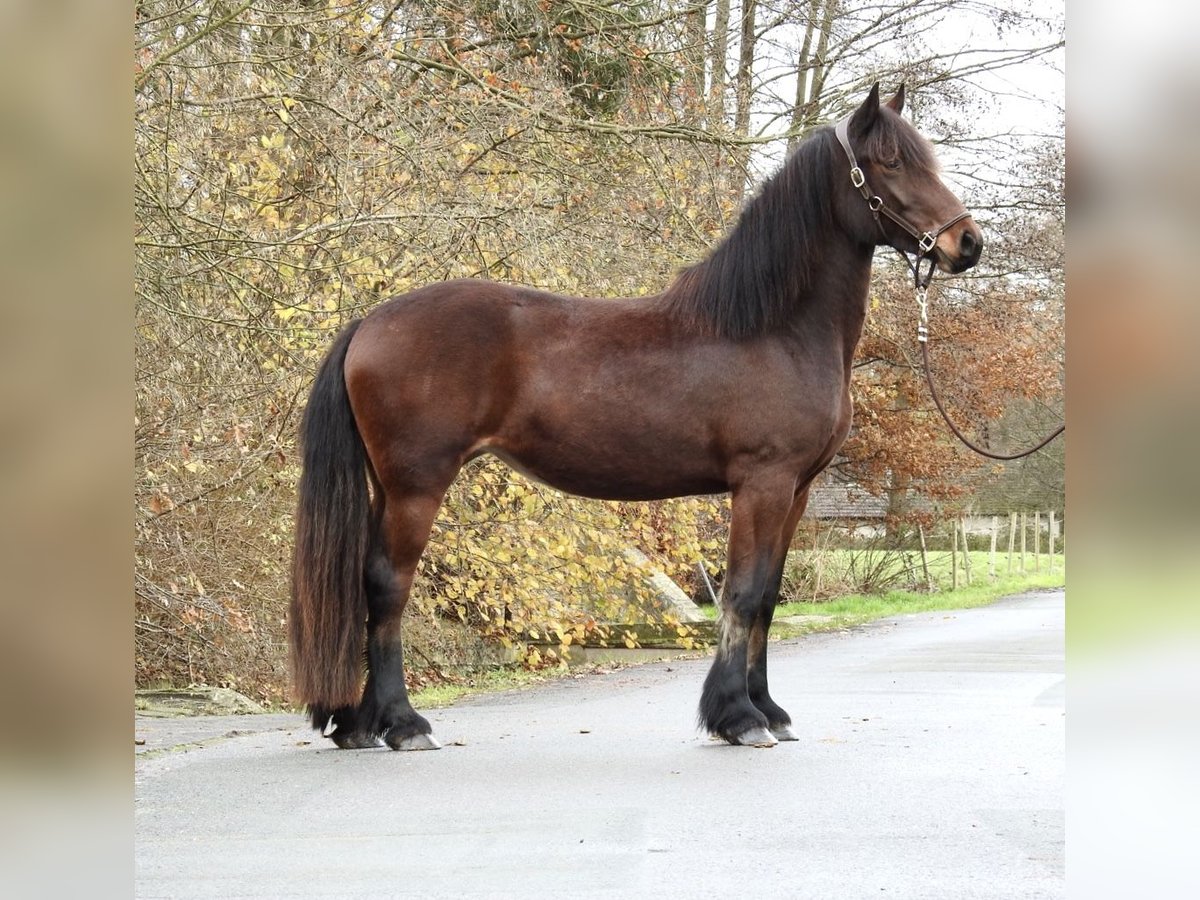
x: 957, y: 253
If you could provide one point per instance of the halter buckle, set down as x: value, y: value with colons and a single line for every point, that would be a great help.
x: 927, y: 242
x: 857, y: 178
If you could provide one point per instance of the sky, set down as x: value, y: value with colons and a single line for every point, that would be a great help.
x: 1023, y: 99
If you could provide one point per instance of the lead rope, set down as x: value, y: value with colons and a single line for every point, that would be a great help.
x: 922, y: 291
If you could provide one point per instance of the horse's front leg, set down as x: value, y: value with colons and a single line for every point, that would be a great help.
x: 760, y: 512
x: 779, y: 723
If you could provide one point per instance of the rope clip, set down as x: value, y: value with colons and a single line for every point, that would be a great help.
x: 923, y: 319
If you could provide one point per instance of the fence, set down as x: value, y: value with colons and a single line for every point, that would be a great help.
x: 1020, y: 550
x: 837, y: 557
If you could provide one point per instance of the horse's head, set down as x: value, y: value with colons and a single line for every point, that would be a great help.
x: 903, y: 201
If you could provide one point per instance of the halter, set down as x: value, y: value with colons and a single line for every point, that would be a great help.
x: 925, y: 239
x: 925, y: 244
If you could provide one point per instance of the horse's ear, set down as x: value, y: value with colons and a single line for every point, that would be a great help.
x: 896, y: 104
x: 864, y: 117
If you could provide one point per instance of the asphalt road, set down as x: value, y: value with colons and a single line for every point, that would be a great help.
x: 930, y: 764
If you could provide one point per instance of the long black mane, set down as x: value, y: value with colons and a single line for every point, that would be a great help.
x: 751, y: 282
x: 754, y: 279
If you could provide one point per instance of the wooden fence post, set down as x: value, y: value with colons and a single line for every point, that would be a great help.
x: 1037, y: 541
x: 819, y: 562
x: 1012, y: 536
x: 925, y: 560
x: 954, y: 557
x: 992, y: 553
x: 966, y: 551
x: 1024, y: 528
x: 1050, y: 541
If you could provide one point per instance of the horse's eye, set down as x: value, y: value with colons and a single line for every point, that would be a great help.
x: 892, y: 165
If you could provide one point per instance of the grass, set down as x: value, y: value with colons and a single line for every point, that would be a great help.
x: 857, y: 609
x: 847, y: 609
x: 488, y: 681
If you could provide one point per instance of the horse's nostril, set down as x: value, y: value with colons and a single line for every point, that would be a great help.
x: 968, y: 245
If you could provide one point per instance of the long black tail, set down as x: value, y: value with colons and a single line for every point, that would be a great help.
x: 328, y: 618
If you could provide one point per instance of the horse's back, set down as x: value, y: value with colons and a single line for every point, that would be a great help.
x: 453, y: 311
x: 477, y: 325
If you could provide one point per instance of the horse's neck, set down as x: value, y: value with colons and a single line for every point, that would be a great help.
x: 820, y: 305
x: 832, y: 314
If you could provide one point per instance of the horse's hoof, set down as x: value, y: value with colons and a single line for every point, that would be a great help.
x: 784, y: 733
x: 415, y: 742
x: 356, y: 740
x: 755, y: 737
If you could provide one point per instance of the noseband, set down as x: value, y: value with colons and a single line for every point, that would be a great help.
x: 925, y: 240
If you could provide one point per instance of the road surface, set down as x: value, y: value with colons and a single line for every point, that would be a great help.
x: 930, y: 764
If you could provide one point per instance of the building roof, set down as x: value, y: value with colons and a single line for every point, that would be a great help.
x: 836, y: 500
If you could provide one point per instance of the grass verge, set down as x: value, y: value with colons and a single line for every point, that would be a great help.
x: 797, y: 618
x: 488, y: 681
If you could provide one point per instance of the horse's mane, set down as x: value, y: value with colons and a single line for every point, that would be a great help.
x: 753, y: 280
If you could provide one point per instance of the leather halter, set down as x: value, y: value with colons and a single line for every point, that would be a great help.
x: 925, y: 240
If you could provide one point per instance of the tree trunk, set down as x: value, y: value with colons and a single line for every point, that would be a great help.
x: 803, y: 64
x: 693, y: 61
x: 720, y: 48
x: 743, y: 87
x: 820, y: 65
x: 745, y: 71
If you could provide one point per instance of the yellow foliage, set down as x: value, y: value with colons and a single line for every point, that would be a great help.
x: 531, y: 562
x: 264, y: 225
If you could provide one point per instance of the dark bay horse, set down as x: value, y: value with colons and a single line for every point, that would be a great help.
x: 735, y: 378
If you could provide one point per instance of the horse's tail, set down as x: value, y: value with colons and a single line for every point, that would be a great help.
x: 328, y: 616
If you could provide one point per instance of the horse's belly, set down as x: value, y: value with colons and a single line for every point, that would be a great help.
x: 614, y: 465
x: 619, y: 487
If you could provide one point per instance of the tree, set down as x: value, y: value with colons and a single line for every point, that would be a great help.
x: 296, y: 165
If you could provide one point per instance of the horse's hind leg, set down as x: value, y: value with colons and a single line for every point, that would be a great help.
x: 385, y: 713
x: 386, y: 708
x: 357, y: 727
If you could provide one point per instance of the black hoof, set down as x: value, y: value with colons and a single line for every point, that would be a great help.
x: 342, y: 726
x: 407, y: 730
x: 356, y: 740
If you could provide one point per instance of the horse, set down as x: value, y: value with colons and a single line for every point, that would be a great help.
x: 733, y: 379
